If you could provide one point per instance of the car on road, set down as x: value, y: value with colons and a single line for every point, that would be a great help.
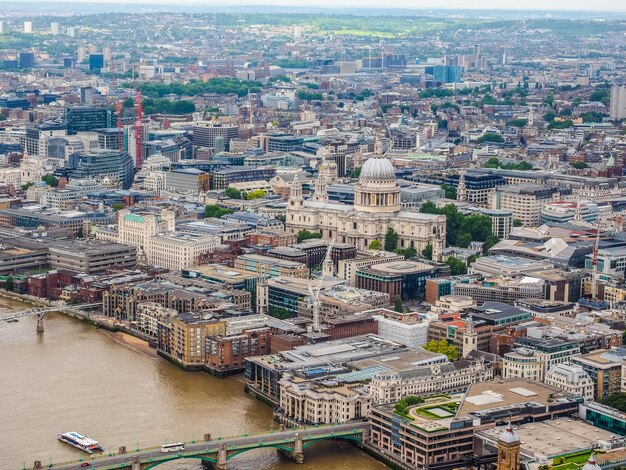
x: 85, y: 464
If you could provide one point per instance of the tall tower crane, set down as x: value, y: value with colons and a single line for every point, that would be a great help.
x: 314, y: 292
x: 594, y: 264
x: 139, y: 133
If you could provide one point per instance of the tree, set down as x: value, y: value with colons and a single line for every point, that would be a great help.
x: 429, y: 207
x: 617, y: 401
x: 50, y: 180
x: 8, y: 284
x: 356, y: 172
x: 442, y: 347
x: 80, y: 233
x: 306, y: 235
x: 493, y: 162
x: 279, y: 312
x: 391, y: 239
x: 117, y: 206
x: 456, y: 266
x: 410, y: 253
x: 579, y: 165
x: 375, y: 245
x: 213, y: 210
x: 397, y: 304
x: 232, y: 193
x: 428, y: 252
x: 517, y: 223
x: 490, y: 137
x: 518, y: 122
x: 25, y: 186
x: 450, y: 191
x: 128, y: 103
x: 258, y: 194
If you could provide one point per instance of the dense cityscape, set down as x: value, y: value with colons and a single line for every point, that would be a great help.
x: 356, y: 239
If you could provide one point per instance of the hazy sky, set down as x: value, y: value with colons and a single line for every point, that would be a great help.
x: 595, y: 5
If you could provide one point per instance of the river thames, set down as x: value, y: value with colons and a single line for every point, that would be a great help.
x: 111, y: 387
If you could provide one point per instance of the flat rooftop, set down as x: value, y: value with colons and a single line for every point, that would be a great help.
x: 506, y: 394
x: 553, y: 437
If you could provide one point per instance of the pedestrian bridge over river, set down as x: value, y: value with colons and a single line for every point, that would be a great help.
x: 216, y: 453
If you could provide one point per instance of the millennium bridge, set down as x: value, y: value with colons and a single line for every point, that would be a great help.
x: 216, y: 453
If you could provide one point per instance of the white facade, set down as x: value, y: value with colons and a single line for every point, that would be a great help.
x: 571, y: 378
x: 412, y: 333
x: 28, y: 27
x: 308, y: 403
x: 524, y: 364
x: 376, y: 209
x: 155, y: 235
x: 391, y: 387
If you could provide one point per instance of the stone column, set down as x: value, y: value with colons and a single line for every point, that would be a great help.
x: 39, y: 324
x: 221, y: 459
x: 136, y: 464
x: 298, y: 455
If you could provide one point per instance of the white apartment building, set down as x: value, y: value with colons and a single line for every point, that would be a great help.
x: 155, y: 235
x: 453, y: 303
x: 312, y: 403
x: 155, y: 182
x: 571, y: 378
x: 391, y: 387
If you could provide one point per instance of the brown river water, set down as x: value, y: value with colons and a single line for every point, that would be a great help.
x: 113, y: 388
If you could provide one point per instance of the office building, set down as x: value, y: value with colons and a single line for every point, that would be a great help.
x: 86, y: 118
x: 28, y: 27
x: 96, y: 62
x: 26, y: 60
x: 154, y: 234
x: 604, y: 366
x: 91, y: 257
x: 525, y: 201
x: 571, y: 378
x: 110, y: 168
x: 206, y: 132
x: 271, y: 267
x: 55, y: 28
x: 187, y: 181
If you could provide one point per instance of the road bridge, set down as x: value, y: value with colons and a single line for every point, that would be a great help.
x: 217, y: 453
x: 40, y: 312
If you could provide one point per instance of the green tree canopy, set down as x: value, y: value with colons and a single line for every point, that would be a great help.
x: 306, y: 235
x: 490, y: 137
x: 617, y: 401
x: 579, y: 165
x: 456, y: 266
x: 258, y: 194
x: 232, y: 193
x: 397, y: 304
x: 375, y: 245
x: 442, y: 347
x: 391, y: 239
x: 213, y: 210
x: 428, y: 252
x: 50, y: 180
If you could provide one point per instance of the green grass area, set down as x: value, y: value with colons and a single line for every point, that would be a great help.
x: 571, y: 461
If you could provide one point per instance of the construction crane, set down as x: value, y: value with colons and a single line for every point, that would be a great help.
x: 594, y: 264
x: 139, y: 133
x: 314, y: 292
x: 119, y: 106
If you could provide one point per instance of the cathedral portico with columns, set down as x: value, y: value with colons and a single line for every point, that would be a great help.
x: 376, y: 209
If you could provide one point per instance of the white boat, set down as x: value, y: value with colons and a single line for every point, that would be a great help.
x: 80, y: 442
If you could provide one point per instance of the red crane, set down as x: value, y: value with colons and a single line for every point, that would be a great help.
x: 139, y: 133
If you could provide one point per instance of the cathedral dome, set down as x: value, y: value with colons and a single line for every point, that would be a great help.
x: 377, y: 169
